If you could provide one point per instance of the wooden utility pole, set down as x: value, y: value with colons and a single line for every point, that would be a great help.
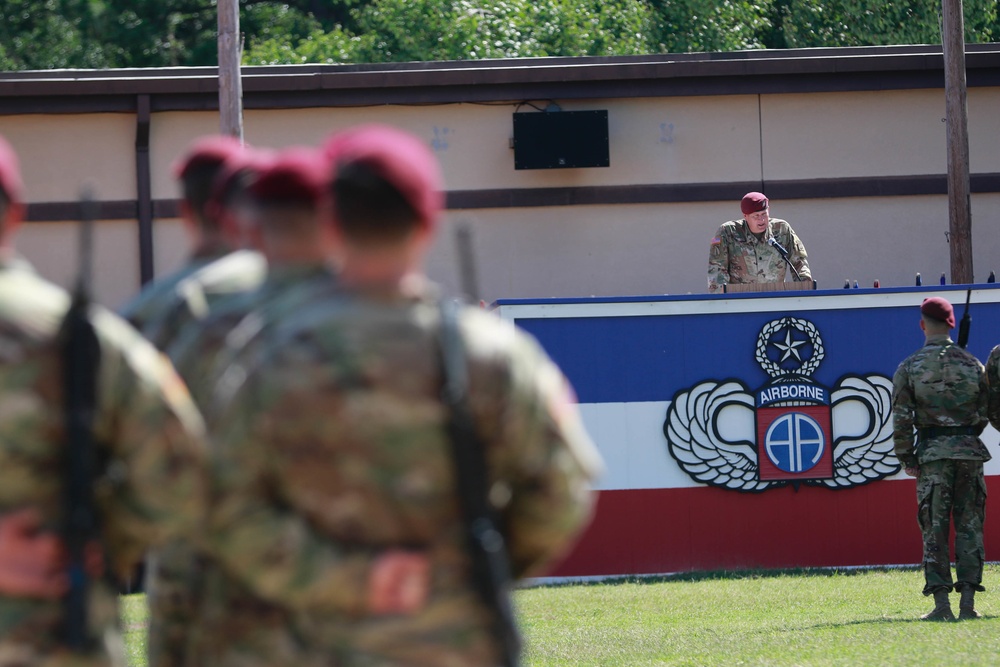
x: 957, y: 115
x: 230, y: 84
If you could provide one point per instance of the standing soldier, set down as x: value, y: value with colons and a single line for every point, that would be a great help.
x: 941, y: 390
x: 198, y: 614
x: 285, y: 204
x: 149, y: 482
x: 752, y: 250
x: 213, y: 251
x: 335, y: 493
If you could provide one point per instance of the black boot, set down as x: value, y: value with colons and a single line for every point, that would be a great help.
x: 967, y: 605
x: 942, y: 608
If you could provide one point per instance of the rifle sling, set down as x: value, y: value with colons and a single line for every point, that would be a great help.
x: 490, y: 564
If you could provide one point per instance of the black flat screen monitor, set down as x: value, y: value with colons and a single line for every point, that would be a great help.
x: 561, y: 140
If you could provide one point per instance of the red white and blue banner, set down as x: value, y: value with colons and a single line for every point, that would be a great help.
x: 748, y: 430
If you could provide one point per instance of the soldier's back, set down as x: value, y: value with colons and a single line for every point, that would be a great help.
x: 149, y: 483
x: 339, y: 410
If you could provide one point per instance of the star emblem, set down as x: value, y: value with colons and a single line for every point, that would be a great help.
x: 789, y: 347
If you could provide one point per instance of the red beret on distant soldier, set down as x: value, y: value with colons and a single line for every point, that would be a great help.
x: 400, y: 158
x: 298, y: 174
x: 210, y: 151
x: 938, y: 309
x: 753, y: 202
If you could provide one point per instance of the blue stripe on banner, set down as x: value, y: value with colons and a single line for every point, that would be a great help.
x: 650, y: 358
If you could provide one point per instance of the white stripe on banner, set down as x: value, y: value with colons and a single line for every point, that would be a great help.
x: 630, y: 438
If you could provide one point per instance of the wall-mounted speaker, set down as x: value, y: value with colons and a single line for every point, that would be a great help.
x: 561, y: 140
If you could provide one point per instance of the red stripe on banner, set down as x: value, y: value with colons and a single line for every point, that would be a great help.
x: 650, y: 531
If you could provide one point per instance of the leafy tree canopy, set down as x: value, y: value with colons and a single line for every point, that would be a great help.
x: 51, y: 34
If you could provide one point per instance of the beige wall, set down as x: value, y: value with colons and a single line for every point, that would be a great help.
x: 580, y: 250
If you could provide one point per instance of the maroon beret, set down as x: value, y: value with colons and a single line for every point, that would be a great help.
x: 402, y: 159
x: 208, y: 151
x: 938, y: 309
x: 10, y: 173
x: 753, y: 202
x: 298, y: 174
x: 236, y: 173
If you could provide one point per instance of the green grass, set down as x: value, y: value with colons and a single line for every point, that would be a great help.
x: 821, y: 617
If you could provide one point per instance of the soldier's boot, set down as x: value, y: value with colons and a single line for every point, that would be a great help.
x: 942, y: 608
x: 967, y: 605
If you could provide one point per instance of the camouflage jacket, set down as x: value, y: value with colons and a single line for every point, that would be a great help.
x: 203, y: 350
x: 736, y: 255
x: 333, y: 447
x: 993, y: 378
x: 151, y: 480
x: 148, y: 304
x: 939, y: 385
x: 196, y: 296
x: 198, y: 615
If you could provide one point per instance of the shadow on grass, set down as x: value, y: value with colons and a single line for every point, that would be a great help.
x: 889, y: 621
x: 716, y: 575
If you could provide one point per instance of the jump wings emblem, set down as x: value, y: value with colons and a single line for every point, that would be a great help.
x: 791, y: 430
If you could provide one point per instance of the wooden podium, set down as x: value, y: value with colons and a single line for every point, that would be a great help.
x: 794, y: 286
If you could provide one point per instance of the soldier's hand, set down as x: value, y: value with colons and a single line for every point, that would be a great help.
x: 399, y: 583
x: 912, y: 471
x: 31, y: 561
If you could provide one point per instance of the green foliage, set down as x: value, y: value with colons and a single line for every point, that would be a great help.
x: 809, y: 23
x: 45, y: 35
x: 685, y: 26
x: 49, y: 34
x: 471, y: 29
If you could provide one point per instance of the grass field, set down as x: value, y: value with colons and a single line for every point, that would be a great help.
x: 852, y: 617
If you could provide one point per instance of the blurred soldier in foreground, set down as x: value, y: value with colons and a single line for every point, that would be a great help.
x: 750, y: 250
x: 334, y: 486
x: 214, y: 255
x: 200, y: 616
x: 941, y: 390
x: 285, y: 204
x: 199, y: 295
x: 149, y: 485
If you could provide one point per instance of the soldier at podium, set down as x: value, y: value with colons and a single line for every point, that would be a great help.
x: 756, y: 249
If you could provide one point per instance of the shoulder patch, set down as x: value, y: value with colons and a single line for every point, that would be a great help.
x: 715, y: 241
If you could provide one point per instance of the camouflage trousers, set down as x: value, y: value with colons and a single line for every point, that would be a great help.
x: 952, y: 490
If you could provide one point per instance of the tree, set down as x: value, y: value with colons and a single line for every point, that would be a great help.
x: 45, y: 35
x: 48, y: 34
x: 685, y: 26
x: 407, y: 30
x: 809, y: 23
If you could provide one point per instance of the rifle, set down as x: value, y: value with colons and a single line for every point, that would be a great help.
x: 963, y: 327
x: 490, y: 564
x: 80, y: 356
x: 466, y: 262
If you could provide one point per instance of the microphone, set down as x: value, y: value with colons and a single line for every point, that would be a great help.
x: 773, y: 242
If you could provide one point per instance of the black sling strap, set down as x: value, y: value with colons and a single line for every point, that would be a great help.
x: 490, y: 564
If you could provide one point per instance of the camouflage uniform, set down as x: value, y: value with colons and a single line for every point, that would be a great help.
x: 943, y: 387
x: 148, y: 305
x: 161, y: 311
x: 197, y: 295
x: 148, y: 434
x: 333, y: 447
x: 993, y: 379
x: 737, y: 256
x: 231, y: 625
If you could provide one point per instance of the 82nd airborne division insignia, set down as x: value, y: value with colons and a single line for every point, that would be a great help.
x: 794, y: 424
x: 792, y: 438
